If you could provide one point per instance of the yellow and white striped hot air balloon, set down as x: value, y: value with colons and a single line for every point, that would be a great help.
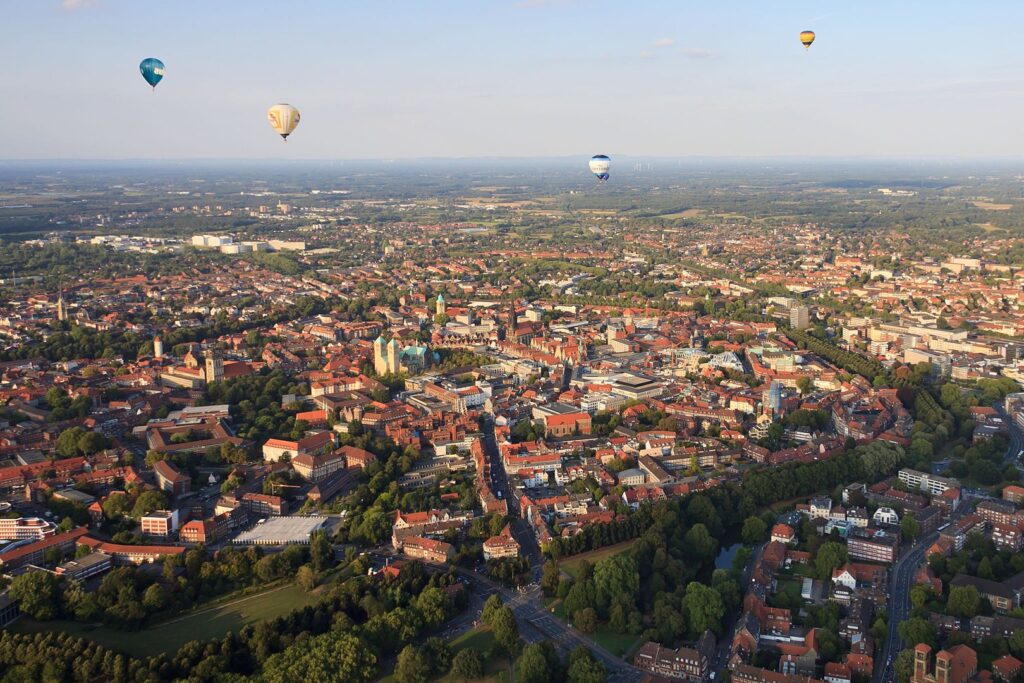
x: 283, y: 119
x: 807, y: 37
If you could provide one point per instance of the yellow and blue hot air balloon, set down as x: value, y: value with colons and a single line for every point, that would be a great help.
x: 807, y: 37
x: 600, y: 165
x: 283, y: 118
x: 152, y: 70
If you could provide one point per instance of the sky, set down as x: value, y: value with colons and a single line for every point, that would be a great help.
x: 393, y: 79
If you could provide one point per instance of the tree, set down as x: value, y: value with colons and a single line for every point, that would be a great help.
x: 904, y: 665
x: 704, y: 608
x: 830, y: 556
x: 39, y: 594
x: 67, y: 442
x: 491, y: 606
x: 910, y: 528
x: 550, y: 578
x: 147, y: 502
x: 533, y: 666
x: 155, y: 598
x: 1016, y: 642
x: 333, y: 657
x: 91, y: 443
x: 963, y: 601
x: 754, y: 530
x: 586, y: 620
x: 413, y: 666
x: 468, y: 664
x: 583, y: 668
x: 306, y: 577
x: 506, y: 632
x: 917, y: 630
x: 320, y: 553
x: 614, y: 576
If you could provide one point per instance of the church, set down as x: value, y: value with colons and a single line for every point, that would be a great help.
x: 390, y: 357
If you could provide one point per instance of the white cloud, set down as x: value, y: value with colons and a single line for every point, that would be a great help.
x: 697, y: 53
x: 664, y: 42
x: 72, y: 5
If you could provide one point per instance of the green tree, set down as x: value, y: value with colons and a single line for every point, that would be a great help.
x: 506, y: 632
x: 550, y: 577
x: 333, y: 657
x: 917, y: 630
x: 147, y: 502
x: 704, y: 608
x: 904, y: 666
x: 586, y: 620
x: 39, y: 594
x: 468, y: 665
x: 831, y: 555
x: 754, y: 530
x: 963, y: 601
x: 491, y: 607
x: 909, y: 528
x: 533, y: 666
x: 412, y: 666
x: 583, y: 668
x: 306, y: 577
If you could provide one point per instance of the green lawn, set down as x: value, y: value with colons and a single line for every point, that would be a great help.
x: 571, y: 565
x: 613, y: 641
x: 168, y: 636
x: 496, y: 669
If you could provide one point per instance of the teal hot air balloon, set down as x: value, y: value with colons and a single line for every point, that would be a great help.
x: 152, y: 70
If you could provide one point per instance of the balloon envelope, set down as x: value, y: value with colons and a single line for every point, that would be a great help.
x: 152, y: 70
x: 807, y: 37
x: 283, y: 118
x: 600, y: 165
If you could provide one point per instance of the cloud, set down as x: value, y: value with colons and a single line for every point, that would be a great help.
x: 696, y: 53
x: 72, y: 5
x: 664, y: 42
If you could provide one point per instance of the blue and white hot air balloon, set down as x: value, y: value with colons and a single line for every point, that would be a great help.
x: 600, y: 165
x: 152, y: 70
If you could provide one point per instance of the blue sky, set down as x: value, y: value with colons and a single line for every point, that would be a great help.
x: 456, y: 78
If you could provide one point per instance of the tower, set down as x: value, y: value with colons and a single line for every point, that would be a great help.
x: 921, y: 653
x: 158, y: 347
x: 943, y: 667
x: 214, y: 365
x: 511, y: 333
x: 394, y: 356
x: 799, y: 317
x: 380, y: 362
x: 441, y: 307
x: 62, y: 311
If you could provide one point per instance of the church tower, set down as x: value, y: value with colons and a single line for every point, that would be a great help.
x: 214, y: 366
x: 441, y: 307
x: 394, y: 356
x: 158, y: 347
x: 380, y: 352
x: 62, y: 311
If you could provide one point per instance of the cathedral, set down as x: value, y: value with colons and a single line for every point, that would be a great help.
x: 389, y: 358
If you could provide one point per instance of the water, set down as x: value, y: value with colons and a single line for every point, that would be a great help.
x: 726, y: 556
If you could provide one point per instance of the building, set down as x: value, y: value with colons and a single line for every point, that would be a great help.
x: 21, y: 528
x: 206, y: 530
x: 169, y: 479
x: 874, y: 547
x: 502, y: 545
x: 1003, y: 596
x: 955, y: 665
x: 428, y: 549
x: 86, y: 566
x: 783, y: 533
x: 264, y: 505
x: 278, y: 531
x: 744, y: 673
x: 161, y: 523
x: 932, y: 484
x: 799, y: 317
x: 131, y: 554
x: 885, y: 516
x: 35, y: 552
x: 685, y: 664
x: 315, y: 444
x: 390, y: 358
x: 567, y: 424
x: 316, y: 468
x: 1006, y: 667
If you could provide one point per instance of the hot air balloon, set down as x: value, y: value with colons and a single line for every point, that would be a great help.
x: 283, y: 119
x: 599, y: 165
x: 807, y: 37
x: 152, y: 70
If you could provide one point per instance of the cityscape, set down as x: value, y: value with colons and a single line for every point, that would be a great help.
x: 537, y: 418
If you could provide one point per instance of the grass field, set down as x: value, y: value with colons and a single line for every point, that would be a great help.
x: 168, y: 636
x: 571, y: 566
x: 496, y: 669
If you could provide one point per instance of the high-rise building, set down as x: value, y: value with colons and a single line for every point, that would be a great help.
x: 773, y: 398
x: 799, y: 317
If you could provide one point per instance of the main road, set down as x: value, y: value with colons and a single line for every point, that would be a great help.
x: 900, y: 582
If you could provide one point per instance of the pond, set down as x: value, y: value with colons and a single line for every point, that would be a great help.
x: 726, y: 556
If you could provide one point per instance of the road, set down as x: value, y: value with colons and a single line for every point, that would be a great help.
x: 499, y: 483
x: 1016, y: 439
